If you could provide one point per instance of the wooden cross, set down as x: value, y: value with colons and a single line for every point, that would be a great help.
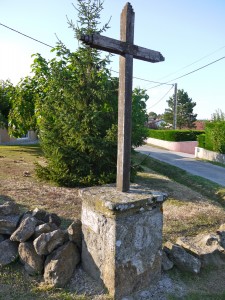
x: 127, y: 50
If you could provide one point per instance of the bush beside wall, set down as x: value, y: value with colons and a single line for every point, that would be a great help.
x: 215, y: 136
x: 201, y: 140
x: 175, y: 135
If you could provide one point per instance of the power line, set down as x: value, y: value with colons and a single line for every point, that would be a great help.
x: 145, y: 79
x: 163, y: 83
x: 213, y: 62
x: 193, y: 63
x: 161, y: 98
x: 26, y: 35
x: 36, y: 40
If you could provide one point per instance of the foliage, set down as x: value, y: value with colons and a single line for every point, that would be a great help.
x: 139, y: 117
x: 185, y: 115
x: 152, y: 115
x: 6, y: 92
x: 175, y: 135
x: 22, y: 114
x: 72, y: 101
x: 218, y: 116
x: 215, y: 136
x: 75, y: 120
x: 201, y: 140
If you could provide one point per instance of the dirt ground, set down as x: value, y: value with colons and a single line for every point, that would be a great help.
x: 185, y: 213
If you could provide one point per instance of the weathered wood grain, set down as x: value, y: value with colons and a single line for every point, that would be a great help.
x: 105, y: 43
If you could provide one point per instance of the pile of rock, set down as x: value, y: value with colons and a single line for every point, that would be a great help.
x: 191, y: 254
x: 39, y: 242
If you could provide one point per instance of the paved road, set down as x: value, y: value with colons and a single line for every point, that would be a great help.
x: 186, y: 162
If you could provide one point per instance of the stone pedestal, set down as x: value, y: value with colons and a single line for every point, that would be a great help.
x: 122, y: 238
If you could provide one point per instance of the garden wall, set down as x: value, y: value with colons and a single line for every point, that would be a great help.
x: 186, y: 147
x: 6, y: 139
x: 209, y: 155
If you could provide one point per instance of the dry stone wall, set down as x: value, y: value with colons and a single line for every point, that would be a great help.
x: 192, y: 254
x: 117, y: 239
x: 36, y: 238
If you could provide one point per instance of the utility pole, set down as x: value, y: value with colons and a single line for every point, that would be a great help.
x: 175, y: 107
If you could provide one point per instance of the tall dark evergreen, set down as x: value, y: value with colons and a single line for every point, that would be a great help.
x: 76, y: 115
x: 75, y: 108
x: 185, y: 115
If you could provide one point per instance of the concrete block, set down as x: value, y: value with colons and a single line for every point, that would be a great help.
x: 122, y: 238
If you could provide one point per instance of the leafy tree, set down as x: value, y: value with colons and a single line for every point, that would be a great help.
x: 75, y: 120
x: 218, y: 116
x: 77, y: 117
x: 75, y: 104
x: 152, y: 115
x: 185, y: 115
x: 139, y: 117
x: 6, y: 92
x: 22, y: 114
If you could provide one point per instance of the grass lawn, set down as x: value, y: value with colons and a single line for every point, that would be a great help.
x: 194, y: 205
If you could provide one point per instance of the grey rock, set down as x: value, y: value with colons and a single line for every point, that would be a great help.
x: 167, y: 264
x: 182, y: 259
x: 221, y: 233
x: 60, y: 265
x: 25, y: 230
x: 30, y: 215
x: 53, y: 218
x: 39, y: 214
x: 44, y: 228
x: 8, y: 252
x: 75, y: 232
x: 33, y: 262
x: 2, y: 238
x: 47, y: 242
x: 222, y: 238
x: 46, y: 217
x: 206, y: 247
x: 8, y: 224
x: 9, y: 208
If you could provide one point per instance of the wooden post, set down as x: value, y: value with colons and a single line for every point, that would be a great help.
x: 126, y: 48
x: 175, y: 107
x: 125, y: 101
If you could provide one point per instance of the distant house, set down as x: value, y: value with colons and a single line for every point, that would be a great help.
x: 200, y: 124
x: 158, y: 123
x: 6, y: 139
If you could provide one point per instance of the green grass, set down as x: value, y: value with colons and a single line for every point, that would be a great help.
x: 198, y: 296
x: 213, y: 162
x: 201, y: 185
x: 20, y: 286
x: 17, y: 150
x: 16, y: 284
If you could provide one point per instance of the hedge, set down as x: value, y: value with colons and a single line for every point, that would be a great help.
x: 175, y: 135
x: 215, y: 136
x: 201, y: 140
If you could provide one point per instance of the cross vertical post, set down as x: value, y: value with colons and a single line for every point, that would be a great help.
x: 125, y: 101
x: 128, y: 51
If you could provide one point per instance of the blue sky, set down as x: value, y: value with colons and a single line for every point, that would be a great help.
x: 184, y: 31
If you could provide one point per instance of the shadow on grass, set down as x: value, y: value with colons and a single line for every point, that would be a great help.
x: 33, y: 149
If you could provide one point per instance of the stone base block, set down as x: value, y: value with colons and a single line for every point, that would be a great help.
x: 122, y: 245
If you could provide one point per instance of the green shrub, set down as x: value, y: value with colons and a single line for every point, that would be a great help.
x: 175, y: 135
x: 201, y: 140
x: 215, y: 136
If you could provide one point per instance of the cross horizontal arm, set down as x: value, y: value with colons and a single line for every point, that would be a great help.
x: 118, y: 47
